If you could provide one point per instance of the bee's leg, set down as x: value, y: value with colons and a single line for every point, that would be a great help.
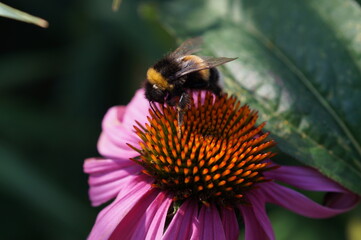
x: 183, y: 104
x: 184, y: 101
x: 171, y: 100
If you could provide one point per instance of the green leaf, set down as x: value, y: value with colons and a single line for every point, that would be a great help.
x: 298, y: 64
x: 9, y: 12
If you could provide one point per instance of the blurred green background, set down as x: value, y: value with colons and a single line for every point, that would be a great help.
x: 55, y: 86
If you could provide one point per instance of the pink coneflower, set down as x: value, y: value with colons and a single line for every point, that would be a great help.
x: 203, y: 184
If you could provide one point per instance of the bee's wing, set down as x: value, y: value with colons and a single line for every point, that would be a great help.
x: 210, y: 62
x: 188, y: 47
x: 214, y: 62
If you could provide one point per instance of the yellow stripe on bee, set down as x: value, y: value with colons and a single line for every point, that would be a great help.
x: 205, y: 73
x: 156, y: 78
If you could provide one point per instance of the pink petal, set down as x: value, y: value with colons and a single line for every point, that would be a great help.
x: 156, y: 228
x: 146, y: 219
x: 137, y: 109
x: 107, y: 178
x: 230, y: 224
x: 184, y: 224
x: 118, y: 128
x: 96, y: 165
x: 110, y: 216
x: 341, y: 200
x: 115, y: 136
x: 253, y: 230
x: 211, y: 224
x: 121, y: 113
x: 302, y: 205
x: 257, y: 201
x: 257, y: 223
x: 304, y: 178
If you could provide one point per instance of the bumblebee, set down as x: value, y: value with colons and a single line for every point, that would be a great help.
x: 171, y: 78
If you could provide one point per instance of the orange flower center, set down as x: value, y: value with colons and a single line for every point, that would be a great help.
x: 219, y: 156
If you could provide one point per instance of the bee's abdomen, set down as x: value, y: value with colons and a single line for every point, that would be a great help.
x: 205, y: 73
x: 195, y: 80
x: 213, y: 75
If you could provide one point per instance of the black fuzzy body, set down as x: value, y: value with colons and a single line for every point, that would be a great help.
x: 168, y: 67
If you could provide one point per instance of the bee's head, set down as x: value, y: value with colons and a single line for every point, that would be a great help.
x: 154, y: 94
